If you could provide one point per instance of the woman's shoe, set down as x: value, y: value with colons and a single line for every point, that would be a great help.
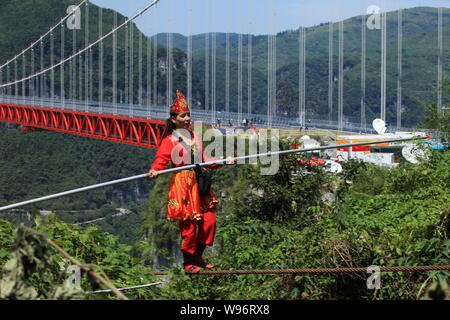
x: 190, y: 268
x: 198, y: 261
x: 188, y: 263
x: 204, y: 264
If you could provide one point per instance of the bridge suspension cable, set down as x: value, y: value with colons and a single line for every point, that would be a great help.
x: 440, y: 58
x: 127, y: 71
x: 114, y: 66
x: 61, y: 75
x: 330, y: 70
x: 383, y: 58
x: 100, y: 60
x: 189, y: 55
x: 249, y: 62
x: 213, y: 62
x: 271, y: 65
x: 302, y: 76
x: 341, y: 70
x: 239, y: 62
x: 341, y: 77
x: 149, y: 77
x: 44, y: 35
x: 227, y: 72
x: 207, y: 56
x: 399, y: 65
x: 363, y: 70
x: 169, y: 57
x: 140, y: 69
x: 73, y: 76
x: 155, y: 62
x: 86, y: 61
x: 99, y: 40
x: 131, y: 65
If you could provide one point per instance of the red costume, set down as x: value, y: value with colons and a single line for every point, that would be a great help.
x: 184, y: 201
x: 194, y: 213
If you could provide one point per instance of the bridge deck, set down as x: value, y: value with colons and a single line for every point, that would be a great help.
x: 134, y: 131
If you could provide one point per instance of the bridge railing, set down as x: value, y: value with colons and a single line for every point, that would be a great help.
x: 206, y: 116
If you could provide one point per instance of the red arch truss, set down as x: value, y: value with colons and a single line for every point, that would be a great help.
x: 134, y: 131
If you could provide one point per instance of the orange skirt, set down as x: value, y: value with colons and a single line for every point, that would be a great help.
x: 184, y: 200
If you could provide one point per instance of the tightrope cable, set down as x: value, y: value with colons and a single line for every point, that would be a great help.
x: 318, y: 270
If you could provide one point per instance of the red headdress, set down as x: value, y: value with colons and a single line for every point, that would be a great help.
x: 180, y: 104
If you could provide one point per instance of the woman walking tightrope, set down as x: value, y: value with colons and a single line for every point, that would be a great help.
x: 192, y: 208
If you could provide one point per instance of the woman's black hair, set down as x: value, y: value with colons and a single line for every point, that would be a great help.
x: 170, y: 125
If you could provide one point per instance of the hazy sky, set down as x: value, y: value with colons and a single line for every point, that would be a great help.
x: 248, y: 16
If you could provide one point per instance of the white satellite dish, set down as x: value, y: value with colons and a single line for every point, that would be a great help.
x: 333, y: 167
x: 379, y: 126
x: 414, y: 153
x: 311, y: 143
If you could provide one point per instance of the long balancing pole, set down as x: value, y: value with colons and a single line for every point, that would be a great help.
x: 191, y: 166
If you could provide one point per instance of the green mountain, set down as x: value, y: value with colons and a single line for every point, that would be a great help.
x: 420, y: 50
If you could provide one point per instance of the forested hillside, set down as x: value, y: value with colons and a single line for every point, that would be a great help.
x: 364, y: 216
x: 47, y: 162
x: 37, y: 164
x: 301, y: 218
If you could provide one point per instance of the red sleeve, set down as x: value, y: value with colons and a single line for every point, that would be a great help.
x: 163, y: 155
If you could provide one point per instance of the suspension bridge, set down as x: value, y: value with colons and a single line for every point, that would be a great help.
x: 81, y: 79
